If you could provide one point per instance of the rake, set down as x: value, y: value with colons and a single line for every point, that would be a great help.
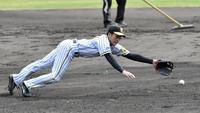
x: 179, y: 25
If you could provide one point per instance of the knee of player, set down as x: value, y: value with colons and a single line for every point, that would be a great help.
x: 55, y: 77
x: 37, y: 65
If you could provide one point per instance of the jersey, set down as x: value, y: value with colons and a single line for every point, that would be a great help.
x: 98, y: 46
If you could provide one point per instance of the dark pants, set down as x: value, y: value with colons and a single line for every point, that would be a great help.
x: 107, y: 12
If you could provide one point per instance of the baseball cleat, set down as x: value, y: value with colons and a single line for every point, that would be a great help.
x: 11, y: 84
x: 122, y: 24
x: 25, y: 90
x: 107, y: 25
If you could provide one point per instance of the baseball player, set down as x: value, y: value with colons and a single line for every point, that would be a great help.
x: 60, y: 58
x: 120, y: 13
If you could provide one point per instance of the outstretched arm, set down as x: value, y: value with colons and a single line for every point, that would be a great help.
x: 139, y: 58
x: 163, y: 67
x: 115, y: 64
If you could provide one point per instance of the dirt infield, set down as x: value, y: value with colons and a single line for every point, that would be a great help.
x: 95, y: 87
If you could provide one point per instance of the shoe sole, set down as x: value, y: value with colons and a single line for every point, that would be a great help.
x: 110, y: 24
x: 122, y: 25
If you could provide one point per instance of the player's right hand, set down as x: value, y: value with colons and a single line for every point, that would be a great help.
x: 129, y: 75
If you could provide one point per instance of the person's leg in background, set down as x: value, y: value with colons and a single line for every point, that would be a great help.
x: 120, y: 13
x: 107, y: 13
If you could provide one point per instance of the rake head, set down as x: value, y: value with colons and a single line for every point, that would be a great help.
x: 183, y: 26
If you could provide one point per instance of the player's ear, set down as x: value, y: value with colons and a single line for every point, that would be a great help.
x: 109, y: 35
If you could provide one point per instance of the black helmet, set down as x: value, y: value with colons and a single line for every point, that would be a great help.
x: 115, y: 29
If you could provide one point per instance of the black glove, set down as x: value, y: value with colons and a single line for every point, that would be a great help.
x: 164, y: 67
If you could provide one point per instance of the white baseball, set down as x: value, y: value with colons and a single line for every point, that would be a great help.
x: 181, y: 82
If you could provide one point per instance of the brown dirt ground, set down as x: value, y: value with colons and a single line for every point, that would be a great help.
x: 92, y: 85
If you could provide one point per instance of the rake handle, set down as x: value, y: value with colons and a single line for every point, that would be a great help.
x: 162, y: 12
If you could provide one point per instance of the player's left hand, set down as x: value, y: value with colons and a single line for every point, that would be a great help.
x: 163, y: 67
x: 129, y: 75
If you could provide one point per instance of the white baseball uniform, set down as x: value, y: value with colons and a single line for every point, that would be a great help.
x: 60, y: 58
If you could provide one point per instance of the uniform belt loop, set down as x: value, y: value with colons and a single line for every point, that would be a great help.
x: 74, y: 40
x: 76, y: 53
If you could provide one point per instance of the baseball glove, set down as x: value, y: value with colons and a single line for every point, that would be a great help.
x: 164, y: 67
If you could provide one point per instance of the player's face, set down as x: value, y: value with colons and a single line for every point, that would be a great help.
x: 114, y: 39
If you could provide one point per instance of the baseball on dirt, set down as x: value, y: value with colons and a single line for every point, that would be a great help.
x: 182, y: 82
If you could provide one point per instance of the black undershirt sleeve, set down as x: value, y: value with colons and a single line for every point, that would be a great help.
x: 113, y: 62
x: 139, y: 58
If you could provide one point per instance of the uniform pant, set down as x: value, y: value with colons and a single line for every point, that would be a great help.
x: 58, y: 59
x: 120, y: 10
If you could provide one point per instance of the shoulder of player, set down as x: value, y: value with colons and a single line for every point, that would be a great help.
x: 118, y: 46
